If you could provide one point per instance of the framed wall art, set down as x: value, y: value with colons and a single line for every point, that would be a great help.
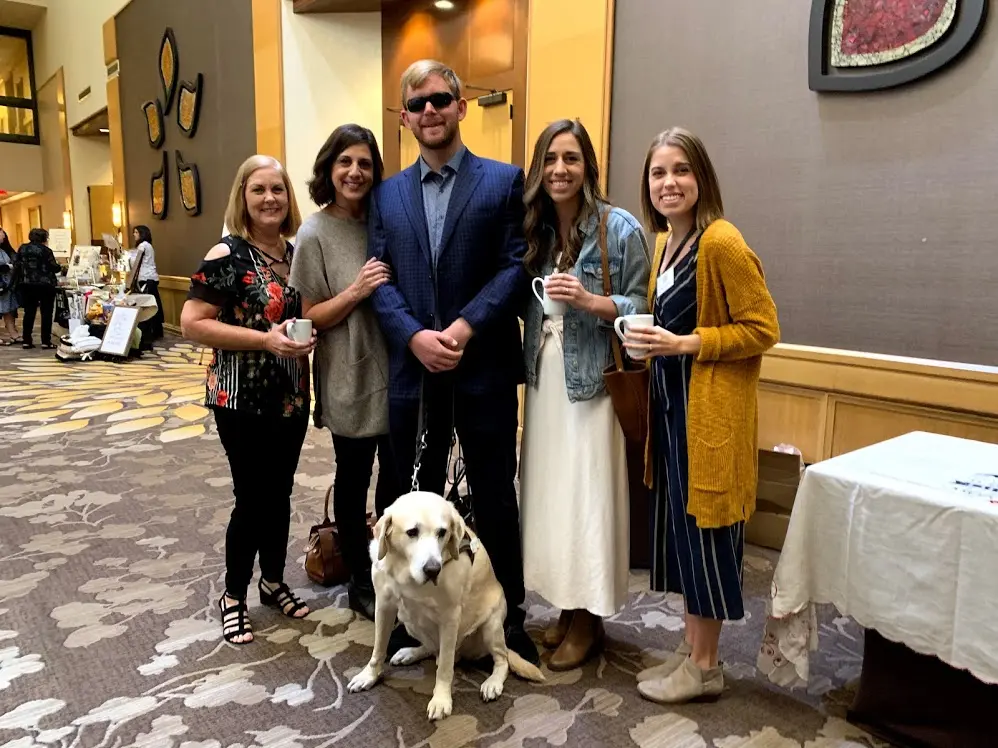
x: 154, y: 123
x: 866, y: 45
x: 189, y: 105
x: 190, y: 186
x: 169, y: 68
x: 159, y: 190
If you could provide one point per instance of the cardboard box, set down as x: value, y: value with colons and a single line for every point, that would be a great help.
x: 779, y: 477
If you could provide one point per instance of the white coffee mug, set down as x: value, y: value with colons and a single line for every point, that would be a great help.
x: 621, y: 324
x: 300, y: 330
x: 550, y: 306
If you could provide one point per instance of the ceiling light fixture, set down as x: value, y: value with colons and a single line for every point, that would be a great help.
x: 444, y: 5
x: 105, y: 130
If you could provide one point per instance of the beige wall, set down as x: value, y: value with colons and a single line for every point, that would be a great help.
x: 873, y: 213
x: 566, y: 64
x: 332, y: 76
x: 70, y: 37
x: 21, y: 168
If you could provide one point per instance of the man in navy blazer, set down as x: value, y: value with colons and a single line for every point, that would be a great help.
x: 450, y: 227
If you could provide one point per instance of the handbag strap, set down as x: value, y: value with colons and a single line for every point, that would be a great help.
x: 604, y: 251
x: 325, y: 507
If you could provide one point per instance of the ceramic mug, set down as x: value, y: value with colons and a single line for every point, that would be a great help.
x: 300, y: 330
x: 621, y: 324
x: 550, y: 306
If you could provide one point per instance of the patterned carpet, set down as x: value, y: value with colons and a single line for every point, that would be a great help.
x: 114, y: 495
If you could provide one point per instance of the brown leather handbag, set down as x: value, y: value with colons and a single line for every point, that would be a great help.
x: 626, y: 380
x: 324, y: 562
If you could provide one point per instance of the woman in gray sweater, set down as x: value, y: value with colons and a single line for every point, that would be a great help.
x: 335, y: 278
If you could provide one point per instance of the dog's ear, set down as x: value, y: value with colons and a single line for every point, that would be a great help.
x: 382, y: 530
x: 457, y: 529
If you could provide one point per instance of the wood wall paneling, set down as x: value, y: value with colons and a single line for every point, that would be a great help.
x: 857, y: 423
x: 485, y: 42
x: 571, y: 65
x: 342, y: 6
x: 173, y: 292
x: 792, y: 416
x: 268, y: 78
x: 115, y: 136
x: 828, y: 402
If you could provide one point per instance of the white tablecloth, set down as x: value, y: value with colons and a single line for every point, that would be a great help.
x: 903, y: 537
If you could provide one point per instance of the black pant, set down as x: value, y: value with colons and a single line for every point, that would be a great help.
x: 152, y: 329
x: 33, y: 297
x: 263, y: 454
x: 354, y: 463
x: 486, y: 427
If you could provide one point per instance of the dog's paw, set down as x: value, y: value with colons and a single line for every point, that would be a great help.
x: 440, y: 706
x: 408, y: 655
x: 364, y: 679
x: 492, y: 688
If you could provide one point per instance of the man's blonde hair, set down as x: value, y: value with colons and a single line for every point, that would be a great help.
x: 416, y: 74
x: 237, y: 218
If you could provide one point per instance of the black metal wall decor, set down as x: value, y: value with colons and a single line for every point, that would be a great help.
x: 154, y: 122
x: 189, y: 105
x: 159, y: 190
x: 190, y: 185
x: 867, y: 45
x: 169, y: 66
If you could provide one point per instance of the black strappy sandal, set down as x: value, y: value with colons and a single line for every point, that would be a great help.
x: 283, y: 599
x: 234, y: 620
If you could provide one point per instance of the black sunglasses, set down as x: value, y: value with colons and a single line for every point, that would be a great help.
x: 441, y: 100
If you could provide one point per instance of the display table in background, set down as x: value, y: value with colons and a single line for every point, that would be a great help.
x: 902, y: 536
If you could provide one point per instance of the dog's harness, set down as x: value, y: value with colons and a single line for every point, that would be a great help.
x: 468, y: 545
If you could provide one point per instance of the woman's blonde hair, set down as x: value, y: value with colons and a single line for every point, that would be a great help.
x: 709, y: 206
x: 237, y: 219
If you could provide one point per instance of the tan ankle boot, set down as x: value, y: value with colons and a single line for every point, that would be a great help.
x: 670, y: 665
x: 687, y: 683
x: 554, y: 634
x: 583, y: 640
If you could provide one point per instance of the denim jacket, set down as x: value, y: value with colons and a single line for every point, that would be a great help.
x: 587, y: 337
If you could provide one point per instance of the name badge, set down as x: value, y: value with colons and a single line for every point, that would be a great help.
x: 665, y: 281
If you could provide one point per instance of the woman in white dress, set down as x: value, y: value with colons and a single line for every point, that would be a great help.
x: 573, y: 464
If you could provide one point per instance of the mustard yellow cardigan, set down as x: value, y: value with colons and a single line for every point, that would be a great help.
x: 736, y: 322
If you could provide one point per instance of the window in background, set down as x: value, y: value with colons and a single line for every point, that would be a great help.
x: 18, y: 105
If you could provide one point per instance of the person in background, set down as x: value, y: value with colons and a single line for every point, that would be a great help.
x: 335, y: 279
x: 8, y: 299
x: 574, y: 495
x: 714, y: 318
x: 450, y: 227
x: 148, y: 283
x: 36, y: 273
x: 240, y: 304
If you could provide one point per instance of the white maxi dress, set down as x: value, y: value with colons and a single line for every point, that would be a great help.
x: 574, y: 503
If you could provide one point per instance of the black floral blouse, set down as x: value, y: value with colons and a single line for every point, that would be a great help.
x: 251, y: 295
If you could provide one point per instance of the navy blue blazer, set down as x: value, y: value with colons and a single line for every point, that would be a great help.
x: 480, y: 274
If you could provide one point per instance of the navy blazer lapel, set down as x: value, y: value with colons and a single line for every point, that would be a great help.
x: 412, y: 199
x: 465, y: 182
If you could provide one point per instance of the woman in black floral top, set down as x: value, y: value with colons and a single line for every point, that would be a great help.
x: 240, y: 304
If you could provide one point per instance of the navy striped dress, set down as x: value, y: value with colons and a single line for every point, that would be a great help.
x: 705, y: 566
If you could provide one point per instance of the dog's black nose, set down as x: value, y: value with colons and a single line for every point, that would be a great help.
x: 432, y: 570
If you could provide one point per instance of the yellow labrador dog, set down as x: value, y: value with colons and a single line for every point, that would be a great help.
x: 432, y: 572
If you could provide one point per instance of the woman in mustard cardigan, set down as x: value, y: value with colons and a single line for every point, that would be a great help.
x: 714, y: 318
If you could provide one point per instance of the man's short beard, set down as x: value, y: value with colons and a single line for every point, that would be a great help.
x: 441, y: 145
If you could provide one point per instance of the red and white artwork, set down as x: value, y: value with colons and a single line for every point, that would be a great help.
x: 872, y: 32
